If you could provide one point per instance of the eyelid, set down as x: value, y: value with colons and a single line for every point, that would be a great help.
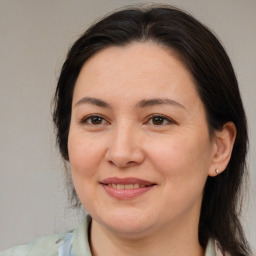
x: 84, y: 119
x: 169, y: 119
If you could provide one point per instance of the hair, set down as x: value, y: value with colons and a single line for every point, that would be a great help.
x: 217, y: 87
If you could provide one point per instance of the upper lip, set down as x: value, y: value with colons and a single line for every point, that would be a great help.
x: 125, y: 181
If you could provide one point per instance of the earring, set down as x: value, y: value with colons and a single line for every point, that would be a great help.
x: 217, y: 171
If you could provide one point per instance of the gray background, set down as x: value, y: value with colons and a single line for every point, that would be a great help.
x: 35, y: 36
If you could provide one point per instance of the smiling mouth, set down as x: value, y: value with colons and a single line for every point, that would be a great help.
x: 127, y: 186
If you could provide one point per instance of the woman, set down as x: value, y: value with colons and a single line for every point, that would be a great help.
x: 149, y: 116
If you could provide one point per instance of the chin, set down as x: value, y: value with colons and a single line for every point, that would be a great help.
x: 126, y: 223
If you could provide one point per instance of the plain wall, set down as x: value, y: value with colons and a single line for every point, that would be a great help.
x: 35, y: 36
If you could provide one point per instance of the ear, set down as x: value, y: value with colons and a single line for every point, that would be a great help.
x: 223, y: 143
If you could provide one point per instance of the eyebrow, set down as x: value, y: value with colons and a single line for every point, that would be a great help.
x: 93, y: 101
x: 142, y: 104
x: 159, y: 101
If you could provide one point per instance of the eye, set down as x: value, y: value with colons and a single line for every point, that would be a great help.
x: 93, y: 120
x: 160, y: 120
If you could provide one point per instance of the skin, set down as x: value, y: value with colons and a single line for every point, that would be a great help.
x: 173, y: 151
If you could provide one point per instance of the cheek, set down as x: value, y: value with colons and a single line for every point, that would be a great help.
x: 183, y: 164
x: 85, y: 158
x: 183, y: 158
x: 84, y: 155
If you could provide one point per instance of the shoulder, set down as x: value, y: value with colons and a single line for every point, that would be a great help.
x: 44, y: 246
x: 213, y: 248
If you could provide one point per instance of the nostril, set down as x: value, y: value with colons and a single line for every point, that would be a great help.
x: 120, y: 164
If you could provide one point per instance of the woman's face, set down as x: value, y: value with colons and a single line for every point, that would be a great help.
x: 138, y: 144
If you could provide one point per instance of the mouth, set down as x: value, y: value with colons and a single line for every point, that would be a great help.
x: 126, y: 188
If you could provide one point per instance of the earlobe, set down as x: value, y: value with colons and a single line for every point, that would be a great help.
x: 223, y: 145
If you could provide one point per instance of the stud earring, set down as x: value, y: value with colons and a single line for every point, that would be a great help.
x: 217, y: 171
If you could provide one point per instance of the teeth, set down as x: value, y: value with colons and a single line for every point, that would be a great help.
x: 120, y: 186
x: 136, y: 185
x: 126, y: 186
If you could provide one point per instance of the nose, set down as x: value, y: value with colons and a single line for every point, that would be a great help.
x: 125, y: 148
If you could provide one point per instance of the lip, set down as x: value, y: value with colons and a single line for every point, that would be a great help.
x: 123, y: 194
x: 125, y: 181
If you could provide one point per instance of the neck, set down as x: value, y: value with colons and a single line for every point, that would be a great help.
x: 173, y: 240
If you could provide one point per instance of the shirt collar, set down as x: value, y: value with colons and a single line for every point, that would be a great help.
x: 81, y: 245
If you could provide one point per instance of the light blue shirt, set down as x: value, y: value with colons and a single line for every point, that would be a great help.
x: 74, y: 243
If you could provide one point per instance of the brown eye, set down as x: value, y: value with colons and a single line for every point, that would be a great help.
x: 159, y: 120
x: 94, y: 120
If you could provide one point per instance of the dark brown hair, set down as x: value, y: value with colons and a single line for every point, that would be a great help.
x: 217, y: 87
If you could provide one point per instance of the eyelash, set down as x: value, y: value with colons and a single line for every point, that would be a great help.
x: 85, y: 119
x: 163, y: 118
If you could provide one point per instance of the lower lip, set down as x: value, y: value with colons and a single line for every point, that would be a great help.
x: 126, y: 193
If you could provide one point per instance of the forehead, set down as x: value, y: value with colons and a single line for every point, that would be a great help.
x: 139, y: 68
